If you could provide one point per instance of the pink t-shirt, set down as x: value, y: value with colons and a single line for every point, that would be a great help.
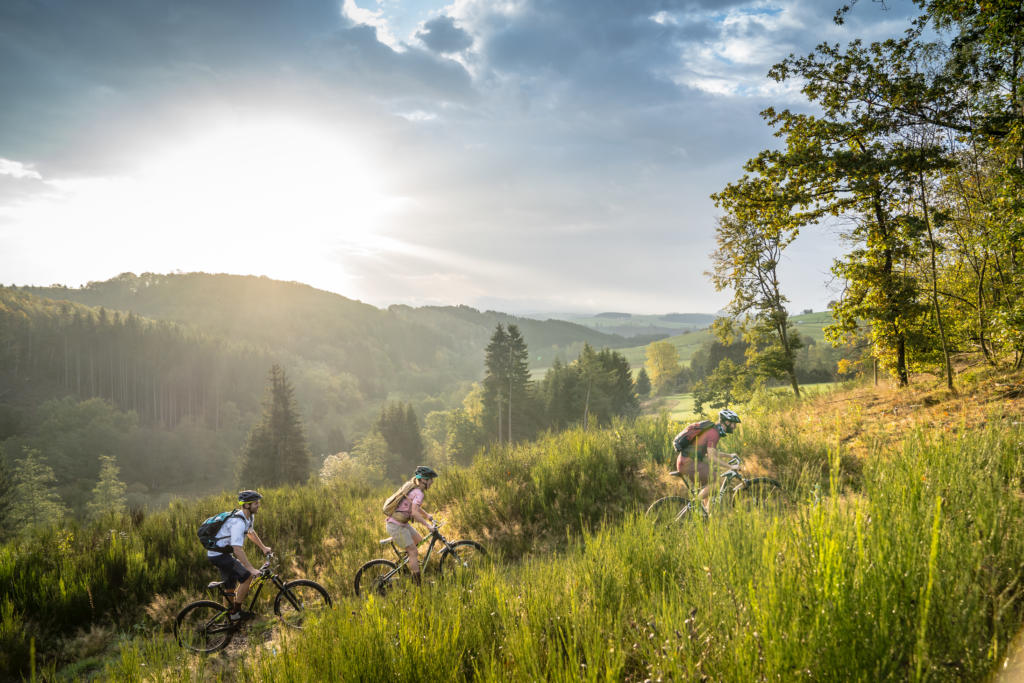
x: 414, y: 496
x: 709, y: 438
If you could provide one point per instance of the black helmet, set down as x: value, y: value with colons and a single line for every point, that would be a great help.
x: 248, y: 496
x: 424, y: 472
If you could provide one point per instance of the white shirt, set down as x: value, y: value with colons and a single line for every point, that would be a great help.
x: 232, y: 532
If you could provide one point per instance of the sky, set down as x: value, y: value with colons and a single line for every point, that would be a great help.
x: 516, y: 155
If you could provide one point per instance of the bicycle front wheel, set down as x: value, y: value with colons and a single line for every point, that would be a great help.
x: 203, y: 626
x: 462, y: 559
x: 377, y: 576
x: 668, y: 510
x: 299, y: 600
x: 762, y: 494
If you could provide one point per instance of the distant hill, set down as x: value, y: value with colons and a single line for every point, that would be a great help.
x: 635, y: 325
x: 349, y: 347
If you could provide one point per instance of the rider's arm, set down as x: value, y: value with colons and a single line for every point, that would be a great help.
x: 240, y: 554
x: 419, y: 515
x: 719, y: 458
x: 256, y: 539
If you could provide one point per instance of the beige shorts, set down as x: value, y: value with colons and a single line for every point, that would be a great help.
x: 401, y: 534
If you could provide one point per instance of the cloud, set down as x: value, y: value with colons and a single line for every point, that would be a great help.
x: 18, y: 170
x: 442, y: 35
x: 527, y: 140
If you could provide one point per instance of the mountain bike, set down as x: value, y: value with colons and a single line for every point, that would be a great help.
x: 456, y: 559
x: 761, y: 493
x: 204, y: 626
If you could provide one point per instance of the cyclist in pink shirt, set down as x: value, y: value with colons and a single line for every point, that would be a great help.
x: 398, y: 526
x: 696, y: 459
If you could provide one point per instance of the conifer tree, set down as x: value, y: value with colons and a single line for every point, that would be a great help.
x: 401, y: 430
x: 108, y: 496
x: 643, y: 383
x: 34, y: 502
x: 276, y: 451
x: 496, y: 362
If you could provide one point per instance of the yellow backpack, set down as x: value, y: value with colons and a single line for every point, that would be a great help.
x: 396, y: 498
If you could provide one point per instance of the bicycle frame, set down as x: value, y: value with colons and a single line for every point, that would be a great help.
x: 403, y: 558
x: 726, y: 484
x: 257, y: 586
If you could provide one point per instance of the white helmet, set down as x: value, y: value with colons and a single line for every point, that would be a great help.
x: 728, y: 416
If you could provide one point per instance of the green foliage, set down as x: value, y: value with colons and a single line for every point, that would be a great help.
x: 276, y: 451
x: 888, y: 585
x: 728, y: 384
x: 662, y: 366
x: 643, y: 383
x: 401, y: 431
x: 344, y: 469
x: 34, y: 502
x: 108, y: 496
x: 454, y: 436
x: 596, y: 387
x: 507, y: 399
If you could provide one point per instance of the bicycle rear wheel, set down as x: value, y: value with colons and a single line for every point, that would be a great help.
x: 668, y: 510
x: 762, y: 494
x: 300, y: 599
x: 377, y: 576
x: 203, y: 626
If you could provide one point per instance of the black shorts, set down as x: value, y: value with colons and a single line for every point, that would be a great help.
x: 231, y: 570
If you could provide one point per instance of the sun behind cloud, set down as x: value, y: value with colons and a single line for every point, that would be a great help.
x: 250, y: 197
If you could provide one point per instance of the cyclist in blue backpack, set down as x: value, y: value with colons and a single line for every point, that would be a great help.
x: 229, y: 557
x: 694, y: 460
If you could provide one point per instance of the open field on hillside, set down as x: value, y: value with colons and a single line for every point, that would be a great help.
x: 808, y: 324
x: 898, y: 557
x: 679, y: 407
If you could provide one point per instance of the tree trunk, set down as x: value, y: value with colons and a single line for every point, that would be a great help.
x: 935, y: 286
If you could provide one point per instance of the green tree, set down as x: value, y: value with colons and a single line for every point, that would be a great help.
x: 662, y: 366
x: 108, y: 496
x: 34, y: 501
x: 507, y: 396
x: 726, y: 385
x: 750, y: 241
x: 455, y: 435
x: 276, y: 452
x: 400, y: 428
x: 643, y: 383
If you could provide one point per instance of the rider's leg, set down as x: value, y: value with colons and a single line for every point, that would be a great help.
x: 698, y: 472
x: 240, y: 593
x: 414, y: 556
x: 703, y: 472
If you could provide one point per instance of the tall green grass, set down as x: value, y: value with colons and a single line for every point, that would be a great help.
x: 519, y: 500
x: 916, y: 575
x: 908, y: 567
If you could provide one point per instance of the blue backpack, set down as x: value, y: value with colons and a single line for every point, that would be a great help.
x: 209, y: 529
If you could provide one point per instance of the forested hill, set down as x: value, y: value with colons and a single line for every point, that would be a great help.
x: 168, y: 372
x: 344, y: 355
x: 301, y: 318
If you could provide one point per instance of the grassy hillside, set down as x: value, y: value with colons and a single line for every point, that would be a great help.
x: 637, y: 325
x: 809, y: 325
x: 899, y: 557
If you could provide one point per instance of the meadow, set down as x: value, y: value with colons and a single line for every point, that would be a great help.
x: 899, y: 557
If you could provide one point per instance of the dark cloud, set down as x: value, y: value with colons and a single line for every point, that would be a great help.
x: 442, y: 35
